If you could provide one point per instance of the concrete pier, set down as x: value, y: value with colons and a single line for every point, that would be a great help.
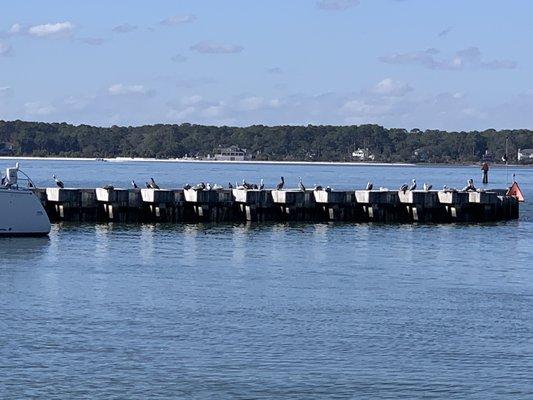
x: 237, y: 205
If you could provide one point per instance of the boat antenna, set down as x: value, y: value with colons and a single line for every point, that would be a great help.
x: 506, y: 161
x: 27, y: 177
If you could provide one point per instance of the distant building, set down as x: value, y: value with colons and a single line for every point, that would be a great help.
x: 232, y: 153
x: 421, y: 155
x: 363, y: 154
x: 6, y: 149
x: 525, y: 155
x: 488, y: 157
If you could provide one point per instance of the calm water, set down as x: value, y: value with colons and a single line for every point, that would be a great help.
x: 268, y: 311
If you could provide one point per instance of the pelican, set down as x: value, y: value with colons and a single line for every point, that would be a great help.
x: 280, y: 184
x: 216, y: 186
x: 301, y: 184
x: 59, y: 183
x: 208, y: 186
x: 369, y: 186
x: 318, y: 188
x: 246, y: 185
x: 404, y: 188
x: 427, y: 187
x: 413, y: 185
x: 328, y: 189
x: 230, y: 186
x: 261, y: 184
x: 108, y: 187
x: 200, y: 186
x: 187, y: 186
x: 152, y: 184
x: 469, y: 186
x: 134, y: 185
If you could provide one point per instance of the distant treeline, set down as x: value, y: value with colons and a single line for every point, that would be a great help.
x: 312, y: 143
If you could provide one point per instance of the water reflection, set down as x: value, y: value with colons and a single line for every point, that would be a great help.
x: 23, y: 248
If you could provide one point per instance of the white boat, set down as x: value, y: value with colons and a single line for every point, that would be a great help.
x: 21, y: 212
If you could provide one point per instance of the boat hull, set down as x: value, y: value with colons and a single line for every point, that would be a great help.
x: 22, y: 214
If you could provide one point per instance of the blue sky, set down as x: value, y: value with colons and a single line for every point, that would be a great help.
x: 440, y: 64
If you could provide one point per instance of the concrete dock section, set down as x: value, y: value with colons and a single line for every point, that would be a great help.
x: 239, y: 205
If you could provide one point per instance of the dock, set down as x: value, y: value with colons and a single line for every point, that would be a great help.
x: 254, y: 205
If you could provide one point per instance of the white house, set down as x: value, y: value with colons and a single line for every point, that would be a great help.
x: 232, y: 153
x: 363, y: 154
x: 525, y: 154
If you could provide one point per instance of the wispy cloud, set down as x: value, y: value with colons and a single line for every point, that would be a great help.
x: 180, y: 58
x: 391, y: 87
x: 275, y: 71
x: 51, y: 30
x: 336, y: 5
x: 39, y: 108
x: 208, y: 47
x: 5, y: 49
x: 125, y: 28
x: 445, y: 32
x: 48, y: 30
x: 93, y: 41
x: 5, y: 91
x: 178, y: 20
x: 119, y: 89
x: 470, y: 57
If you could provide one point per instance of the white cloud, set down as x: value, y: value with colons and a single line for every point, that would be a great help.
x: 470, y: 57
x: 119, y: 89
x: 124, y: 28
x: 178, y: 20
x: 390, y: 87
x: 208, y: 47
x: 5, y: 91
x: 5, y: 49
x: 39, y: 108
x: 191, y: 100
x: 15, y: 29
x: 336, y: 5
x: 50, y: 30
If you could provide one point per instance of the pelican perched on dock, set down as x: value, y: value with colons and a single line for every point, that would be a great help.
x: 369, y: 186
x: 108, y: 187
x: 208, y: 186
x: 280, y: 185
x: 469, y: 186
x: 198, y: 187
x: 247, y: 185
x: 261, y: 184
x: 186, y: 186
x: 427, y: 187
x: 216, y: 186
x: 318, y: 188
x: 59, y: 183
x: 134, y: 185
x: 230, y: 186
x: 328, y: 189
x: 152, y: 184
x: 404, y: 188
x: 413, y: 185
x: 301, y: 184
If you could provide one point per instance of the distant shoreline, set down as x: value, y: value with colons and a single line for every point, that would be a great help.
x: 256, y: 162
